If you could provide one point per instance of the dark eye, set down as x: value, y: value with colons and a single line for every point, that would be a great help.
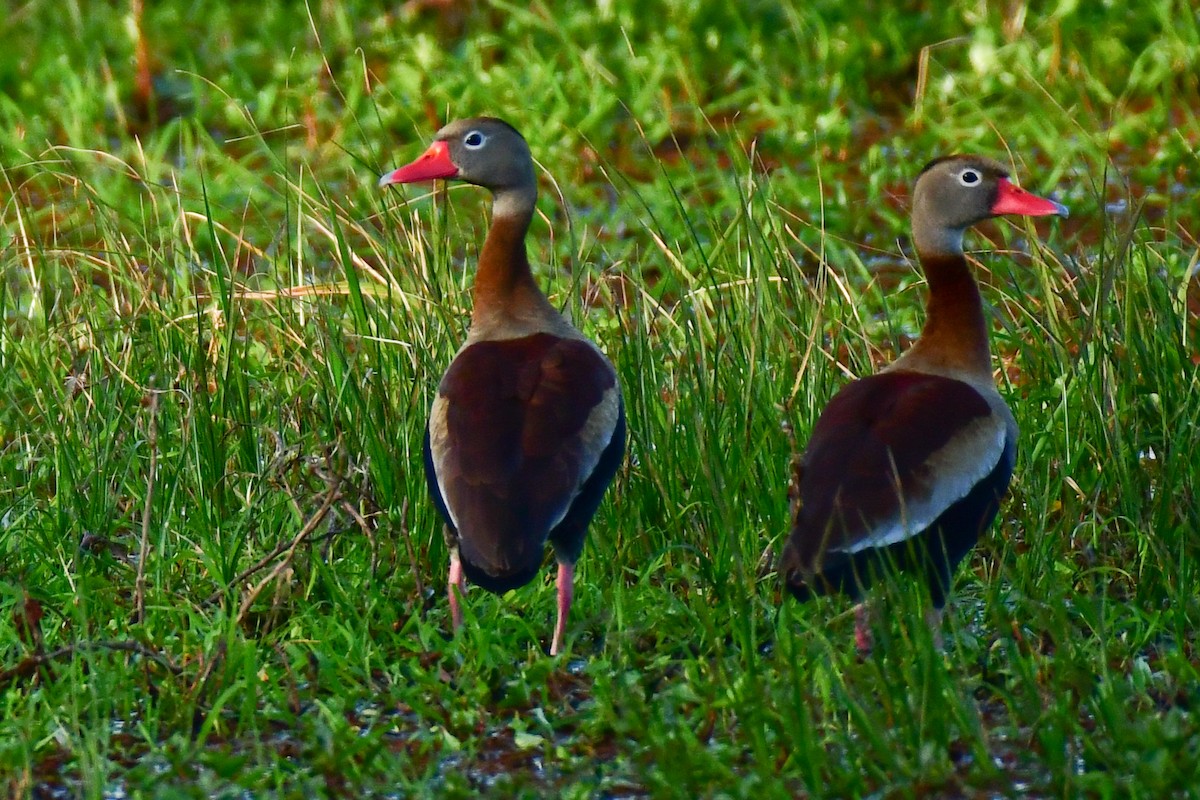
x: 968, y: 177
x: 474, y: 140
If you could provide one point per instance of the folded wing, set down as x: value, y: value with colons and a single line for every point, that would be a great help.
x: 888, y: 456
x: 518, y: 427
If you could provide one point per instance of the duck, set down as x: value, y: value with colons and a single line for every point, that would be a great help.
x: 527, y: 427
x: 906, y: 468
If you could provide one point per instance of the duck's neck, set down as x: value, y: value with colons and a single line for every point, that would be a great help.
x: 955, y: 336
x: 504, y: 284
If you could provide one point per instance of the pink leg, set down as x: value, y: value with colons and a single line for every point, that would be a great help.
x: 934, y: 617
x: 862, y: 628
x: 456, y: 587
x: 566, y: 591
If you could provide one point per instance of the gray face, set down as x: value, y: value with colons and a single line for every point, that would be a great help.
x: 958, y: 191
x: 489, y: 153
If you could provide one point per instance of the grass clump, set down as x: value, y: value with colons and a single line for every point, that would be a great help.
x: 219, y: 571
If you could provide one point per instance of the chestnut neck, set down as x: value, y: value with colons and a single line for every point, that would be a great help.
x: 504, y: 284
x: 955, y: 335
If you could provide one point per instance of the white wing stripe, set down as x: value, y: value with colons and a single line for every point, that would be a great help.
x: 603, y: 417
x: 953, y: 483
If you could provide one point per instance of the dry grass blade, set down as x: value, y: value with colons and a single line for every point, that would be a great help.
x: 288, y: 551
x: 139, y: 595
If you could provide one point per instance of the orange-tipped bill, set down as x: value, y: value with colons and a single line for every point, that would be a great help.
x: 435, y: 163
x: 1012, y: 199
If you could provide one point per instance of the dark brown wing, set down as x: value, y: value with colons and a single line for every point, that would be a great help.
x: 516, y: 430
x: 888, y: 455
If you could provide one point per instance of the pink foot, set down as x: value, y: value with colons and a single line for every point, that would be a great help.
x: 456, y: 587
x: 566, y: 592
x: 862, y: 629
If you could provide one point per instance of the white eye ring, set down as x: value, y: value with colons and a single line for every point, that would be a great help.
x: 969, y: 177
x: 474, y: 140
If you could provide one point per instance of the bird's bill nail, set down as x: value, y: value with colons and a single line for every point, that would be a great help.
x: 1012, y: 199
x: 433, y: 164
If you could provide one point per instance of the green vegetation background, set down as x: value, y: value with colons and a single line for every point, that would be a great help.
x: 220, y: 574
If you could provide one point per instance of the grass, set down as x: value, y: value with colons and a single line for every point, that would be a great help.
x: 220, y: 573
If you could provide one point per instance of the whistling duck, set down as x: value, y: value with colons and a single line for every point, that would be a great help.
x: 528, y: 426
x: 908, y: 466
